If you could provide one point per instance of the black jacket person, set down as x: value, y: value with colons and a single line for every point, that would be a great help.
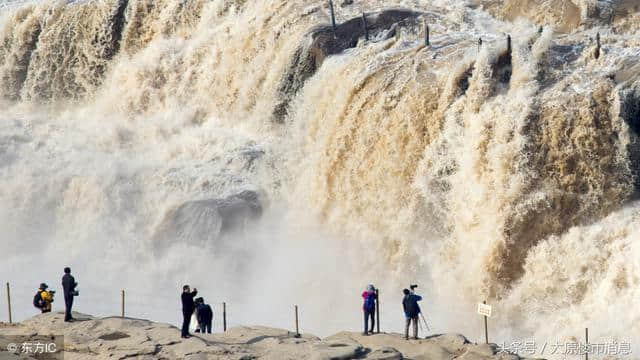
x: 187, y: 308
x: 204, y: 314
x: 411, y: 312
x: 69, y: 288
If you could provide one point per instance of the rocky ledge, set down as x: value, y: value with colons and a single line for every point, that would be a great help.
x: 122, y: 338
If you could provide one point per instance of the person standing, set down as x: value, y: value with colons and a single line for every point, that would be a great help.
x: 411, y: 312
x: 69, y: 288
x: 369, y: 308
x: 204, y: 314
x: 187, y: 309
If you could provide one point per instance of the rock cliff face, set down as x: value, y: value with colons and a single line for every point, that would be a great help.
x: 323, y: 41
x: 202, y: 221
x: 121, y: 338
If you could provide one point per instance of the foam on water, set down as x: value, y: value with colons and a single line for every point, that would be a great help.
x: 477, y: 174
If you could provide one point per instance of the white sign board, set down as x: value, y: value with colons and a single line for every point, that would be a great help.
x: 484, y: 309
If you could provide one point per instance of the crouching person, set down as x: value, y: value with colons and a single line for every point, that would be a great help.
x: 43, y: 298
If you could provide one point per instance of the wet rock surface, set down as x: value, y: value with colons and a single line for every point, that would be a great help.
x: 202, y: 221
x: 323, y: 41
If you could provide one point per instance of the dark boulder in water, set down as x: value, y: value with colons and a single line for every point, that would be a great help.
x: 630, y: 112
x: 322, y: 42
x: 203, y: 221
x: 346, y: 3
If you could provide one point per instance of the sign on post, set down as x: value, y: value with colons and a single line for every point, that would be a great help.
x: 484, y: 310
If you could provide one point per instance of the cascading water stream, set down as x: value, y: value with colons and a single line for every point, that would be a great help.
x: 241, y: 147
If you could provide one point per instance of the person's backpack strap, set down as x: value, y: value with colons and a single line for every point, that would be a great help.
x: 37, y: 300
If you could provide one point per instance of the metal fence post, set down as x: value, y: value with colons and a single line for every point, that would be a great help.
x: 427, y: 42
x: 297, y: 328
x: 586, y: 343
x: 378, y: 310
x: 224, y: 316
x: 9, y: 302
x: 364, y: 25
x: 486, y: 332
x: 333, y: 16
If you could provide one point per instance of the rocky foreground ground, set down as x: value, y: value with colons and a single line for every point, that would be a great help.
x: 126, y: 338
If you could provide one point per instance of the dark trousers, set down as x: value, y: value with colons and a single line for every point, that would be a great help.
x: 367, y: 315
x: 186, y: 321
x: 408, y: 322
x: 205, y: 327
x: 68, y: 304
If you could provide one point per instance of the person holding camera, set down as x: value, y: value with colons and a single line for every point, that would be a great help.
x: 43, y: 298
x: 369, y: 308
x: 411, y: 311
x: 69, y: 288
x: 187, y: 309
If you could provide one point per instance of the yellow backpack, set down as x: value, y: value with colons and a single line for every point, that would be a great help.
x: 47, y: 299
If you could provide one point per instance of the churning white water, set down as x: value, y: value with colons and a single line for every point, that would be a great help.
x: 224, y: 144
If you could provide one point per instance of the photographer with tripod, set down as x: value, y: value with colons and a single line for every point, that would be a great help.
x: 411, y: 311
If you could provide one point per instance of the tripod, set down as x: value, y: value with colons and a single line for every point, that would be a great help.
x: 425, y: 322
